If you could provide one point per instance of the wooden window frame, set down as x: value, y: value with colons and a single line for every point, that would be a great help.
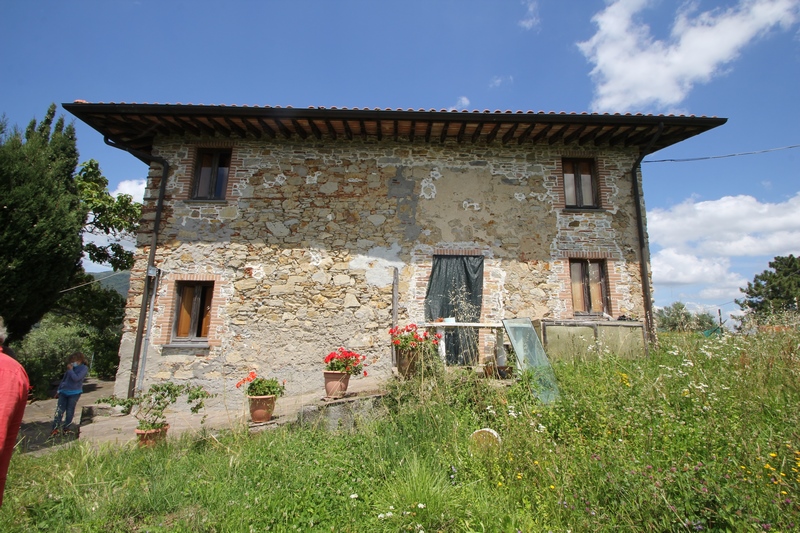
x: 579, y: 183
x: 588, y: 302
x: 198, y: 315
x: 212, y: 187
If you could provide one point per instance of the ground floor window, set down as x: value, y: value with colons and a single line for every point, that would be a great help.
x: 589, y: 292
x: 455, y: 289
x: 193, y: 310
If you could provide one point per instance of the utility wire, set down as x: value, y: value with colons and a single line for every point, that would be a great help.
x: 721, y: 156
x: 91, y: 282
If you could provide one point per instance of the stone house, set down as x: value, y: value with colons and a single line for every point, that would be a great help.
x: 271, y: 236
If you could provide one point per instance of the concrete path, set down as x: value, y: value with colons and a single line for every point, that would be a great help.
x: 221, y: 412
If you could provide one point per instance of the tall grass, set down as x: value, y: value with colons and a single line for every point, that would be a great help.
x: 702, y: 435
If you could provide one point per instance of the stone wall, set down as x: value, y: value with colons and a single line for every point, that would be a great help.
x: 302, y: 250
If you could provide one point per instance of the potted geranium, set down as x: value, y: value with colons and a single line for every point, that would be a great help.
x: 149, y: 408
x: 414, y: 348
x: 340, y: 364
x: 261, y: 395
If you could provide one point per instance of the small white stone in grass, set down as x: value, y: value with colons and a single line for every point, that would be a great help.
x: 353, y: 496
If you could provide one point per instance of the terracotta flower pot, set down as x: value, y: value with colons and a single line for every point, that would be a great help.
x: 336, y: 383
x: 261, y: 408
x: 407, y: 363
x: 150, y: 437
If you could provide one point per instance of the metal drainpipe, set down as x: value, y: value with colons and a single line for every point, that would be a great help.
x: 637, y: 200
x: 151, y: 269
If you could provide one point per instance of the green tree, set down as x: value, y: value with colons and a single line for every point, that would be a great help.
x: 676, y: 317
x: 112, y: 218
x: 41, y: 219
x: 774, y: 290
x: 45, y: 211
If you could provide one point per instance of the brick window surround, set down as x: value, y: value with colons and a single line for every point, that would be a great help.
x: 186, y: 181
x: 168, y: 302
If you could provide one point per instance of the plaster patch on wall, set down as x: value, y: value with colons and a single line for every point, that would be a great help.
x: 520, y: 197
x: 311, y: 180
x: 427, y: 189
x: 279, y: 180
x: 378, y: 264
x: 316, y: 257
x: 474, y: 205
x: 435, y: 174
x: 256, y: 270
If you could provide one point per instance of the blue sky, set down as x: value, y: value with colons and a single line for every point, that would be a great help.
x: 713, y: 223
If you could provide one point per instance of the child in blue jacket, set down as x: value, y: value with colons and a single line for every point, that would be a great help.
x: 69, y: 391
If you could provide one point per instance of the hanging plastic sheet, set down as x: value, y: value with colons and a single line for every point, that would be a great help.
x: 531, y: 360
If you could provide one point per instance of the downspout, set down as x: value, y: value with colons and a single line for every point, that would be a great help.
x: 151, y: 268
x: 637, y: 201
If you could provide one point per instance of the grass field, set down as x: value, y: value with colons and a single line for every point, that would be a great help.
x: 702, y: 435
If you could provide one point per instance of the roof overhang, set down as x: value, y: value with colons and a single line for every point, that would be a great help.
x: 137, y: 125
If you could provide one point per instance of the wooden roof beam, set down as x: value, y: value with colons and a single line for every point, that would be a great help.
x: 299, y: 129
x: 428, y: 131
x: 542, y: 133
x: 236, y: 128
x: 283, y: 129
x: 477, y: 133
x: 443, y: 135
x: 331, y: 129
x: 315, y: 129
x: 363, y: 127
x: 379, y: 130
x: 507, y: 136
x: 347, y: 131
x: 266, y: 128
x: 493, y: 133
x: 557, y: 136
x: 574, y: 135
x: 251, y: 128
x: 186, y: 125
x: 461, y: 130
x: 525, y: 134
x: 412, y: 131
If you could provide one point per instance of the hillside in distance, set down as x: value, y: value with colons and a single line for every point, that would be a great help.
x: 119, y: 281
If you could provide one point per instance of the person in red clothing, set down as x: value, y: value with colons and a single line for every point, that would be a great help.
x: 14, y: 387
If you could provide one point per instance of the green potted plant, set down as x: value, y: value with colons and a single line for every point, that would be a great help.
x: 416, y: 350
x: 261, y: 395
x: 149, y: 407
x: 340, y: 364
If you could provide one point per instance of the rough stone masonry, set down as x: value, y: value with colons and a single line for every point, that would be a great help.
x: 302, y: 250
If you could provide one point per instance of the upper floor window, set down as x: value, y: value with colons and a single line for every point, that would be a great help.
x: 580, y: 189
x: 193, y: 316
x: 211, y: 174
x: 589, y: 293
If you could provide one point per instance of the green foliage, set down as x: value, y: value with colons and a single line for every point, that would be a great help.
x: 99, y: 311
x: 110, y: 217
x: 149, y: 406
x: 45, y: 209
x: 676, y: 317
x: 699, y: 436
x: 774, y: 290
x: 86, y: 319
x: 265, y: 387
x: 44, y: 353
x: 41, y: 219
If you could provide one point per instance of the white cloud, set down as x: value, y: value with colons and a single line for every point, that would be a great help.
x: 462, y: 103
x: 733, y: 226
x: 133, y: 187
x: 671, y: 267
x: 702, y: 245
x: 497, y: 81
x: 634, y: 71
x: 531, y: 18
